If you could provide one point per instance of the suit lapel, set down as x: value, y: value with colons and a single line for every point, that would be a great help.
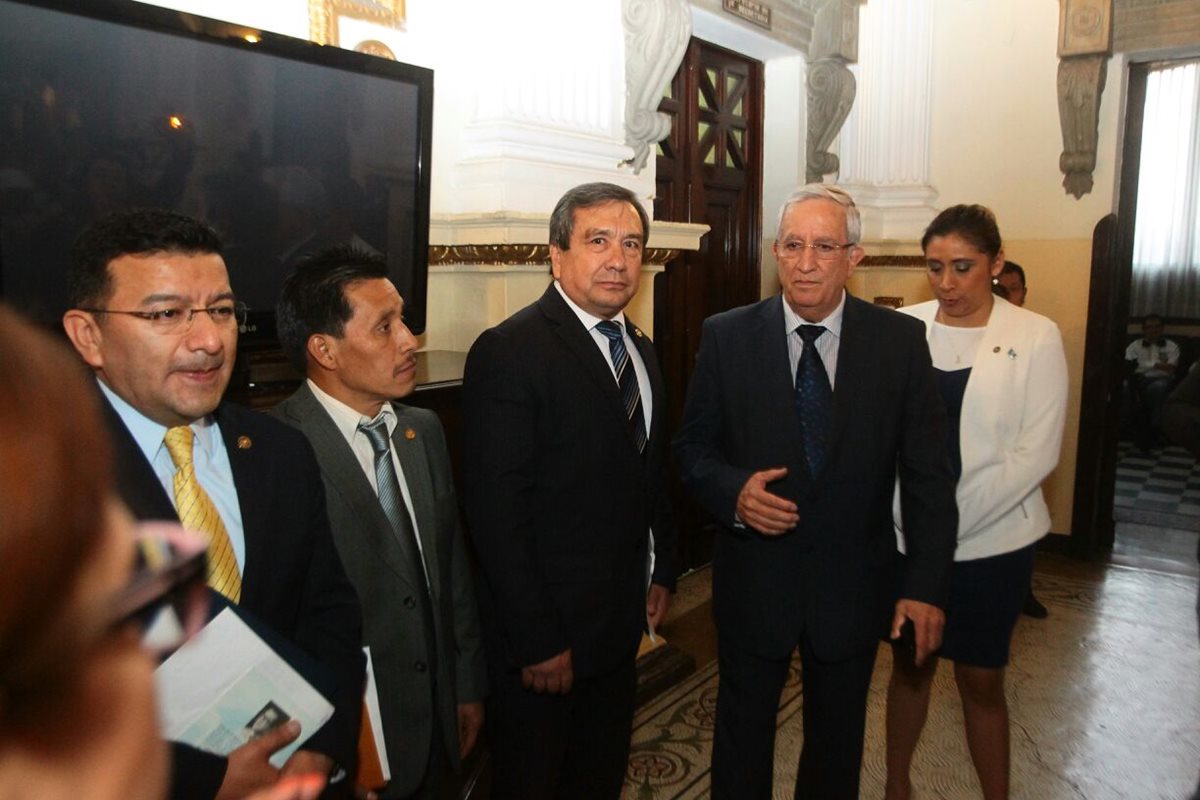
x: 649, y: 356
x: 587, y: 355
x: 341, y: 470
x: 137, y: 482
x: 410, y: 450
x: 853, y: 354
x: 244, y: 463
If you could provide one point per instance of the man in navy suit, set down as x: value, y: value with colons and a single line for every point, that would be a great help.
x: 802, y: 410
x: 567, y: 505
x: 153, y: 314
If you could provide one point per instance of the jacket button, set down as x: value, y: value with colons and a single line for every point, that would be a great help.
x: 410, y: 602
x: 419, y: 666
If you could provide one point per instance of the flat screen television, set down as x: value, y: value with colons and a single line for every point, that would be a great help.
x: 283, y: 145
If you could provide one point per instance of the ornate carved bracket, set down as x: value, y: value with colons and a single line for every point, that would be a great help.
x: 1084, y: 47
x: 656, y: 37
x: 831, y: 85
x: 1080, y: 82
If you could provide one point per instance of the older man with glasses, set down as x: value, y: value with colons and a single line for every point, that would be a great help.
x: 153, y: 314
x: 800, y: 412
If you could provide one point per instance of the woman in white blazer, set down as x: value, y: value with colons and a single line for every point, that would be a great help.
x: 1003, y: 376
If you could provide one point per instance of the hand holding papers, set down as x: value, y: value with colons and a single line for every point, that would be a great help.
x: 227, y: 686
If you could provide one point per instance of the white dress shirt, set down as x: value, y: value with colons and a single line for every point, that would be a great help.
x: 827, y: 343
x: 347, y: 421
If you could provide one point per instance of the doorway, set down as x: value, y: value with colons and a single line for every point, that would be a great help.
x: 709, y: 170
x: 1134, y: 494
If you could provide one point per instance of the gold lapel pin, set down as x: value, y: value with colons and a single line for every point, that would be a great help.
x: 410, y: 434
x: 637, y: 332
x: 244, y: 443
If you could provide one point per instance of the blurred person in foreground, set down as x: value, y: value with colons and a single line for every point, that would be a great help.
x: 153, y: 314
x: 77, y: 709
x: 1002, y: 375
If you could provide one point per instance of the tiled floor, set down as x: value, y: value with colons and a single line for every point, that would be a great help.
x: 1160, y: 487
x: 1104, y: 698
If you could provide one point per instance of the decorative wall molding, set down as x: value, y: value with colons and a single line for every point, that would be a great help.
x: 1147, y: 25
x: 514, y: 254
x: 656, y: 38
x: 831, y: 85
x: 521, y: 238
x: 877, y: 262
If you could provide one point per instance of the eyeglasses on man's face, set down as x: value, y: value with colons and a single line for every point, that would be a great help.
x: 793, y: 249
x: 177, y: 319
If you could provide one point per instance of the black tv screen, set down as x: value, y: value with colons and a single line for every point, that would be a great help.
x: 283, y: 145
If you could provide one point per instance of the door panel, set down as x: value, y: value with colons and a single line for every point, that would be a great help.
x: 709, y: 171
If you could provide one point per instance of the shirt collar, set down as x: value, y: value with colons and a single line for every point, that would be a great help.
x: 832, y: 323
x: 149, y: 434
x: 346, y: 418
x: 589, y: 321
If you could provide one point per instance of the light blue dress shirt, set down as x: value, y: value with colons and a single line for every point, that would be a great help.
x: 209, y: 457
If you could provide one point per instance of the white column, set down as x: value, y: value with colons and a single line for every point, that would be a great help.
x: 884, y: 145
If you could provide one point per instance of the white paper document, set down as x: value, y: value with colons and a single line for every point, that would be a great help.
x: 227, y: 686
x: 375, y: 716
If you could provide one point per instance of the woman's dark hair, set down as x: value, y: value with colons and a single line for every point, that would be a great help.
x: 56, y: 462
x: 975, y: 223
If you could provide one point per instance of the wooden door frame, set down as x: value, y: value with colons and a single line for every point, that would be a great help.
x: 1092, y: 525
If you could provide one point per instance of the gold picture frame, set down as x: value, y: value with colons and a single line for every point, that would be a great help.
x: 324, y: 14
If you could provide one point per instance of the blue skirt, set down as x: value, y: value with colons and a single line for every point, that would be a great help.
x: 986, y: 597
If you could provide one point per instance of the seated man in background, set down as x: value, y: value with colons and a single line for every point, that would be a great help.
x: 153, y: 314
x: 392, y: 507
x: 1153, y: 360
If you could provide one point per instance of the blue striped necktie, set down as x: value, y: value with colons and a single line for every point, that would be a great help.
x: 626, y: 382
x: 814, y: 399
x: 388, y: 486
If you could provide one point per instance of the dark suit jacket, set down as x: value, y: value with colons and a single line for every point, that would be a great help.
x: 834, y: 575
x: 559, y: 501
x: 386, y: 572
x: 293, y: 580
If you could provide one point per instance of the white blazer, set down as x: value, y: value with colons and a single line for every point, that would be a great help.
x: 1010, y: 433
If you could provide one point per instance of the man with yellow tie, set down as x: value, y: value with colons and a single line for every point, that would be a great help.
x: 152, y: 312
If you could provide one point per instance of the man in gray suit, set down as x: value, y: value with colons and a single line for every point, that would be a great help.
x: 392, y: 508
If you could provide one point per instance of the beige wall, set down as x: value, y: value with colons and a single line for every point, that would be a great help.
x: 995, y: 140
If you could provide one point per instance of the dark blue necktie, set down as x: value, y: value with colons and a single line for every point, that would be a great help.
x: 626, y: 382
x: 388, y: 486
x: 814, y: 399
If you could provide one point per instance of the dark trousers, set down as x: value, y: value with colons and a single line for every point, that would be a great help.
x: 561, y: 747
x: 439, y: 775
x: 835, y: 715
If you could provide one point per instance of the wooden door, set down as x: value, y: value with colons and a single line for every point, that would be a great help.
x: 709, y: 171
x: 1092, y: 525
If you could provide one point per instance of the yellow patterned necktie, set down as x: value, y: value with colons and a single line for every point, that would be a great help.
x: 197, y: 513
